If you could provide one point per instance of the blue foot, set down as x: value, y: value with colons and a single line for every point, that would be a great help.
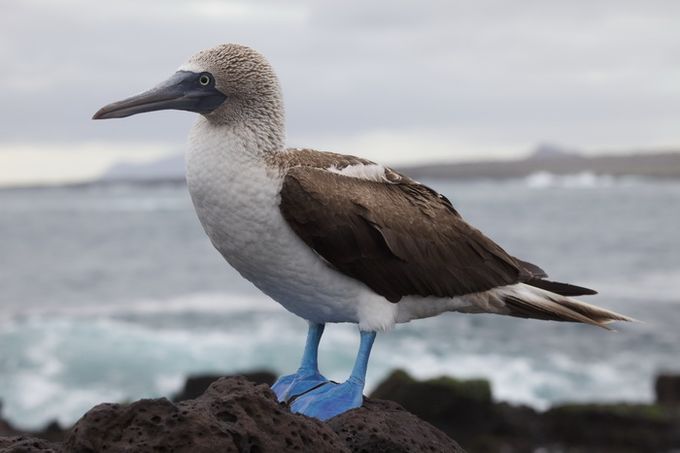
x: 330, y: 399
x: 286, y: 387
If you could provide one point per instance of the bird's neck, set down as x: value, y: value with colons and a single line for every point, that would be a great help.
x: 256, y: 137
x: 224, y: 159
x: 257, y: 122
x: 231, y: 185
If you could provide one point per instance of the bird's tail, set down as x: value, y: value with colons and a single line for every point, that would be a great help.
x: 528, y: 301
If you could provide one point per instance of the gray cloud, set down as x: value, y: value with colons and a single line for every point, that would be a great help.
x: 488, y: 73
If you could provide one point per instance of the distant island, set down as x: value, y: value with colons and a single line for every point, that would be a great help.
x: 544, y: 158
x: 558, y: 161
x: 166, y: 168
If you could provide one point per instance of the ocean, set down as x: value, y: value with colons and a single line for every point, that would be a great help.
x: 113, y: 292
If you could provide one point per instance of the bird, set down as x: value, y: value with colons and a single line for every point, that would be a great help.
x: 334, y: 238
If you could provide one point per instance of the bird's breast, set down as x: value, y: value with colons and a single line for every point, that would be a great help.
x: 236, y: 197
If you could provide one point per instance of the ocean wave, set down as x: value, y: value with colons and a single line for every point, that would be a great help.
x: 539, y: 381
x: 582, y: 180
x: 58, y: 366
x: 196, y: 303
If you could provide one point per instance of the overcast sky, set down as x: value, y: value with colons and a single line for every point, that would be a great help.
x: 395, y: 81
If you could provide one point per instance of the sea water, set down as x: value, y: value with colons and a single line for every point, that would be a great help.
x: 113, y: 292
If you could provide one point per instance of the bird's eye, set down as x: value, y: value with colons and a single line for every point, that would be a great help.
x: 204, y: 80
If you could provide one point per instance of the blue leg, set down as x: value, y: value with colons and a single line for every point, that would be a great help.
x: 307, y: 376
x: 333, y: 399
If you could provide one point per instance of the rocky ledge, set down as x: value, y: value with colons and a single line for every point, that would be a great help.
x: 237, y: 415
x: 231, y: 414
x: 466, y: 411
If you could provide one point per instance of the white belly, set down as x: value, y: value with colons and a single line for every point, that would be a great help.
x: 237, y: 201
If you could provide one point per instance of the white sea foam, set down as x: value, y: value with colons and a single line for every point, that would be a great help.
x: 59, y: 363
x: 543, y: 179
x: 199, y: 303
x: 71, y: 363
x: 582, y: 180
x: 538, y: 382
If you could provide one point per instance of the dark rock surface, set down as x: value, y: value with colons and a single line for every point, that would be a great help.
x: 233, y: 415
x: 51, y: 432
x: 385, y: 427
x: 462, y: 409
x: 465, y: 411
x: 667, y: 388
x: 195, y: 386
x: 448, y: 401
x: 247, y: 418
x: 614, y: 427
x: 236, y: 415
x: 21, y: 444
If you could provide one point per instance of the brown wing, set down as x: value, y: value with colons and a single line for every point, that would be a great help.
x: 397, y: 238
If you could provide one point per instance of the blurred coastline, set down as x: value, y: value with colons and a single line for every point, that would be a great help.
x: 547, y: 159
x: 544, y: 161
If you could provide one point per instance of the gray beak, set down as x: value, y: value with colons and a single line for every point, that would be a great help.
x: 185, y: 90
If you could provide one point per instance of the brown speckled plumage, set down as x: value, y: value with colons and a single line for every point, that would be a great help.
x: 254, y: 99
x: 397, y: 236
x: 302, y: 157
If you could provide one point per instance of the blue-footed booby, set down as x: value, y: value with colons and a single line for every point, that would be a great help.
x: 331, y: 237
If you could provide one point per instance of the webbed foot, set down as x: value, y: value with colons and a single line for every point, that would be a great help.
x: 330, y: 399
x: 286, y: 387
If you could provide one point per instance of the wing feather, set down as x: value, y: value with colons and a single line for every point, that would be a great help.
x: 397, y: 238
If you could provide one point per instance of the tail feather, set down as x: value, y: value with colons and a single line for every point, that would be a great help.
x: 526, y: 301
x: 563, y: 289
x: 597, y: 314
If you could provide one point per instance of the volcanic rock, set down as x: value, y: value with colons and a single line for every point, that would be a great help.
x: 236, y: 415
x: 667, y: 388
x: 195, y: 386
x: 233, y: 415
x: 385, y: 427
x: 21, y: 444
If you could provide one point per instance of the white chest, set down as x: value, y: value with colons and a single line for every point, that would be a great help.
x: 236, y: 198
x: 233, y: 194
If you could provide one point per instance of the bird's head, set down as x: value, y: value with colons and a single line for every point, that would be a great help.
x: 228, y: 83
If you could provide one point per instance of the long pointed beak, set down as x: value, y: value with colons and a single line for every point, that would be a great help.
x: 182, y: 91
